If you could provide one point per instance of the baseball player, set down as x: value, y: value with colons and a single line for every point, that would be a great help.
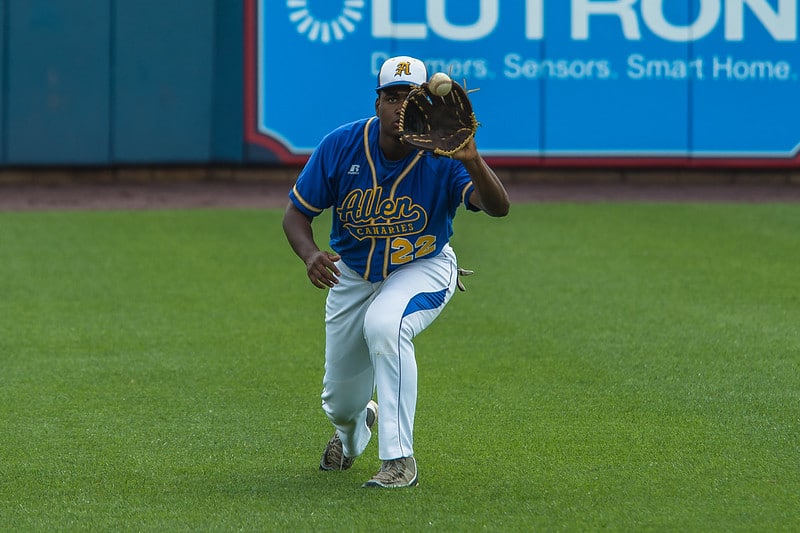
x: 391, y: 271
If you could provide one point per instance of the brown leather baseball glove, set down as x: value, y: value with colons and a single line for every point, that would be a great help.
x: 439, y: 124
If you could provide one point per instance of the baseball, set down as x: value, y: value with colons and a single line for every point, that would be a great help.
x: 440, y: 84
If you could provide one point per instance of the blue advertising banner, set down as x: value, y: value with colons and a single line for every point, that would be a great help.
x: 678, y: 82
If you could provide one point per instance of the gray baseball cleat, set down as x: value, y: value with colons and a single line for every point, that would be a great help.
x: 333, y: 458
x: 396, y: 473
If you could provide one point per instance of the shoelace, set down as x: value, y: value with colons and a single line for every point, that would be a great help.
x: 392, y: 471
x: 335, y: 453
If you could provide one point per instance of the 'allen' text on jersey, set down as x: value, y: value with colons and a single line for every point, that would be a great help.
x: 366, y: 215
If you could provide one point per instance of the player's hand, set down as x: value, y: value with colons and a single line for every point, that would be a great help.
x: 322, y: 269
x: 468, y: 153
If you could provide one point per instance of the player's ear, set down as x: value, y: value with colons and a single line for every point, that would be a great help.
x: 377, y: 101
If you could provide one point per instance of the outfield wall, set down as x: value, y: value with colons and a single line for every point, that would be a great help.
x: 586, y: 83
x: 608, y: 89
x: 120, y: 82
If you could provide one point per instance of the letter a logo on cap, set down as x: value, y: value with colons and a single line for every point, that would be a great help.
x: 403, y: 68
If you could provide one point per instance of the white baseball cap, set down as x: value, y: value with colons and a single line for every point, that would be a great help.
x: 402, y: 70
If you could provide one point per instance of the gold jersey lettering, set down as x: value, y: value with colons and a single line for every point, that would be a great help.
x: 365, y: 214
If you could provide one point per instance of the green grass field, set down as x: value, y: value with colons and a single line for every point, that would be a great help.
x: 612, y: 366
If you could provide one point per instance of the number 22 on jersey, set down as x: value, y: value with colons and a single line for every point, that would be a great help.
x: 405, y: 251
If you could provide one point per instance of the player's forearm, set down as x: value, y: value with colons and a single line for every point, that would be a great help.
x: 299, y: 233
x: 492, y: 195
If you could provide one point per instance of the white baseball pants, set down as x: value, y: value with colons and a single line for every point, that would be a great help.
x: 369, y: 330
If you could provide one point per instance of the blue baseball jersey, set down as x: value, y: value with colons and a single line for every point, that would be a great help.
x: 385, y: 213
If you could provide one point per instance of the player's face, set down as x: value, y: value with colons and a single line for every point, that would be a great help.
x: 387, y: 107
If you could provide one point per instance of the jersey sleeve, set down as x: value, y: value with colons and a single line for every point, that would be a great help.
x: 312, y: 193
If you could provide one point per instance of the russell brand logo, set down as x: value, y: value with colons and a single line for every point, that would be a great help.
x: 310, y: 23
